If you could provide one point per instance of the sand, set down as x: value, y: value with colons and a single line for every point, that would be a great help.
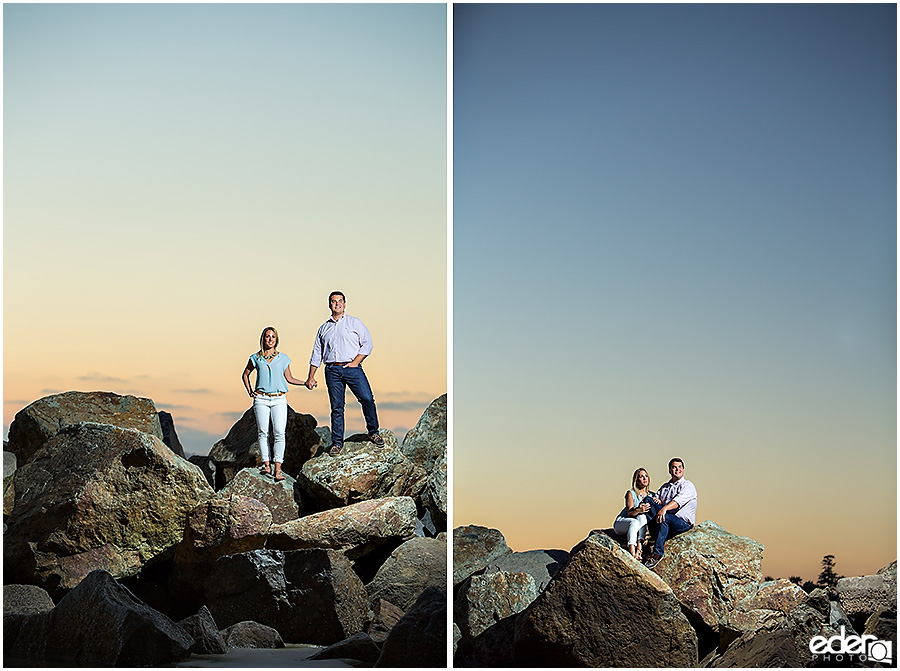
x: 291, y: 655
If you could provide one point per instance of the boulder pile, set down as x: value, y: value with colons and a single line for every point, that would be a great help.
x: 705, y: 604
x: 120, y: 552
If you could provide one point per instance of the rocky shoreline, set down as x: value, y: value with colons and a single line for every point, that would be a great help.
x: 706, y: 604
x: 119, y: 552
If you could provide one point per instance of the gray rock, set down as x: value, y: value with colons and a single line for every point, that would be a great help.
x: 356, y: 530
x: 309, y: 596
x: 419, y: 639
x: 414, y: 566
x: 384, y: 615
x: 359, y: 647
x: 598, y: 611
x: 96, y: 496
x: 25, y: 600
x: 484, y: 611
x: 474, y: 547
x: 426, y: 443
x: 542, y: 565
x: 9, y: 489
x: 434, y: 495
x: 98, y: 623
x: 278, y: 496
x: 861, y: 596
x: 249, y: 634
x: 169, y: 436
x: 202, y: 628
x: 43, y: 419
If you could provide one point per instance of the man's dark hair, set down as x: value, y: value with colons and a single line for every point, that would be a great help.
x: 337, y: 293
x: 674, y: 459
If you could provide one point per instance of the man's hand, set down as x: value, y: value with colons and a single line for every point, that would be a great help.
x: 352, y: 364
x: 661, y: 517
x: 310, y: 383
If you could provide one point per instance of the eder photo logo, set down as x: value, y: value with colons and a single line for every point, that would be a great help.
x: 853, y: 648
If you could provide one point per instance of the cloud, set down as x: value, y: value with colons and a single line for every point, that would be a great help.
x: 401, y: 405
x: 99, y: 377
x: 192, y: 391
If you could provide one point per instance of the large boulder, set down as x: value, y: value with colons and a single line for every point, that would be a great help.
x: 239, y: 448
x: 354, y: 530
x: 383, y: 616
x: 202, y: 628
x: 98, y: 623
x: 710, y: 570
x: 43, y: 419
x: 278, y: 496
x: 434, y: 495
x: 169, y: 435
x: 426, y: 442
x: 474, y: 547
x: 413, y: 567
x: 863, y: 596
x: 419, y: 639
x: 309, y: 596
x: 9, y: 490
x: 604, y: 609
x: 250, y: 634
x: 224, y: 525
x: 361, y: 472
x: 359, y: 647
x: 484, y: 611
x: 97, y: 496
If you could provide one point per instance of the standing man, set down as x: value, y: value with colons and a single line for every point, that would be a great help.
x: 673, y: 509
x: 343, y: 342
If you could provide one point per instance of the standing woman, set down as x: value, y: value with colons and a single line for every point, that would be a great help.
x: 632, y: 521
x: 273, y: 373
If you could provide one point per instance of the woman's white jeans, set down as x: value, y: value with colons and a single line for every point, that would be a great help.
x: 274, y: 408
x: 631, y: 527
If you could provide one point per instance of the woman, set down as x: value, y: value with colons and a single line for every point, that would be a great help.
x: 273, y: 372
x: 632, y: 521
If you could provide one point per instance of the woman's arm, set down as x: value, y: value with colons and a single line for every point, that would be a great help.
x: 289, y: 377
x: 246, y: 378
x: 635, y: 508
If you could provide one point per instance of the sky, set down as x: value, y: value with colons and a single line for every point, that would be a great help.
x: 179, y: 176
x: 674, y: 235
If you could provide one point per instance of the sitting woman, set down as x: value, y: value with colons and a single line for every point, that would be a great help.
x: 632, y: 521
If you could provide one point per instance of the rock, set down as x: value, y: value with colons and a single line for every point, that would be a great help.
x: 384, y: 616
x: 249, y: 634
x: 239, y: 448
x: 169, y: 436
x: 25, y: 600
x: 98, y: 623
x: 598, y: 610
x: 456, y: 636
x: 862, y: 596
x: 225, y: 525
x: 9, y: 490
x: 473, y: 548
x: 542, y: 565
x: 359, y: 647
x: 419, y: 639
x: 97, y: 497
x: 43, y: 419
x: 766, y: 649
x: 361, y: 472
x: 484, y: 611
x: 207, y: 466
x: 426, y: 443
x: 354, y: 530
x: 883, y: 626
x: 414, y: 566
x: 278, y: 496
x: 208, y: 640
x: 309, y: 596
x: 434, y: 495
x: 710, y: 570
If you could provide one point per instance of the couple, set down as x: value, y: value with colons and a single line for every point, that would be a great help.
x: 342, y: 343
x: 672, y: 510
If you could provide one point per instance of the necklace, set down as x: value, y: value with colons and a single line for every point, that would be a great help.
x: 271, y: 356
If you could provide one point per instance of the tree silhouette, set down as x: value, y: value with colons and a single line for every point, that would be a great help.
x: 828, y: 578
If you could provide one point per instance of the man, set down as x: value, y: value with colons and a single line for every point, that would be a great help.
x: 343, y: 342
x: 673, y: 509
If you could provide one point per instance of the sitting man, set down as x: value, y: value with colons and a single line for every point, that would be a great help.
x: 672, y: 510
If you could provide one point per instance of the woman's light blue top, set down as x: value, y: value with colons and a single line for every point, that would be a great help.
x: 270, y: 374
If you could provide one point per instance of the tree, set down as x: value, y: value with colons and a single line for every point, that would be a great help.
x: 828, y: 578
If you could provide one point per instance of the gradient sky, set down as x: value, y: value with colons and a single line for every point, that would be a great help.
x: 675, y: 235
x: 178, y: 176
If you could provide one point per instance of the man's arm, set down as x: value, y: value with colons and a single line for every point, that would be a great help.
x: 311, y: 377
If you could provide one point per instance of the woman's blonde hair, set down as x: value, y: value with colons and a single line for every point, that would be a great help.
x: 635, y: 477
x: 262, y: 338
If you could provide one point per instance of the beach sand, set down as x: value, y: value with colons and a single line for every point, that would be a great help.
x: 292, y: 655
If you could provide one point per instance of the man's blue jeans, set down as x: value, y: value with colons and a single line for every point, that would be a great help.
x: 338, y: 379
x: 672, y: 525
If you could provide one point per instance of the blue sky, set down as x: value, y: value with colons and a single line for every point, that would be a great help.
x: 675, y: 235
